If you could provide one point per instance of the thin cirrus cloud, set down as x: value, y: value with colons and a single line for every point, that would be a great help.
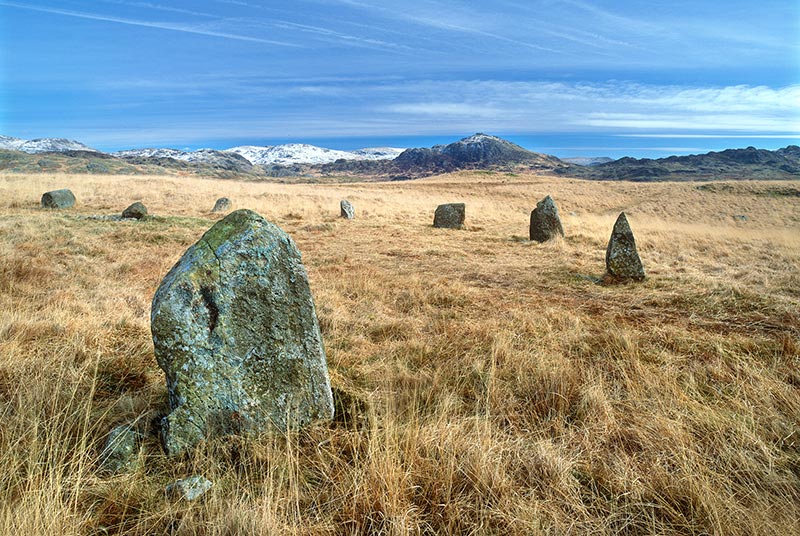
x: 175, y: 27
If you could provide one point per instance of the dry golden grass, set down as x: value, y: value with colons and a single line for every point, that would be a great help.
x: 488, y: 386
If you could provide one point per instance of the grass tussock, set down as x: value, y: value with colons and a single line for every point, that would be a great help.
x: 484, y: 384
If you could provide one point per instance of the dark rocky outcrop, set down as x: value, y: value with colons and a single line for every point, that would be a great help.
x: 479, y: 151
x: 545, y: 223
x: 450, y: 216
x: 622, y: 259
x: 346, y: 209
x: 235, y: 330
x: 58, y: 199
x: 223, y: 204
x: 136, y: 211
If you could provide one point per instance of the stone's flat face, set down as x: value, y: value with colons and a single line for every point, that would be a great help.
x: 121, y: 450
x: 58, y: 199
x: 450, y: 216
x: 222, y: 204
x: 135, y: 211
x: 189, y: 488
x: 545, y: 222
x: 346, y: 209
x: 236, y: 332
x: 622, y: 259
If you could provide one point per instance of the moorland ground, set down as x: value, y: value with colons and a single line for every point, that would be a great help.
x: 486, y: 384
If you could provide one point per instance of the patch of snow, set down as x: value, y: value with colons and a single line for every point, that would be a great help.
x: 43, y: 145
x: 378, y: 153
x: 303, y: 153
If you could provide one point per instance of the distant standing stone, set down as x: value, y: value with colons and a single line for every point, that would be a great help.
x: 136, y: 211
x: 347, y: 210
x: 190, y: 488
x: 223, y: 204
x: 545, y: 223
x: 235, y: 330
x: 450, y: 216
x: 58, y: 199
x: 121, y: 450
x: 622, y: 259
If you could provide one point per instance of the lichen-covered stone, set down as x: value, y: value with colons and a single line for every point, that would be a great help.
x: 190, y: 488
x: 622, y: 259
x: 236, y: 332
x: 545, y: 223
x: 223, y: 204
x: 58, y: 199
x: 450, y: 216
x: 136, y: 211
x: 121, y: 451
x: 346, y: 209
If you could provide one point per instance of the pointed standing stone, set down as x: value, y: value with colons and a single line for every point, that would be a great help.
x: 235, y: 330
x: 622, y: 259
x: 545, y: 223
x: 450, y: 216
x: 347, y: 210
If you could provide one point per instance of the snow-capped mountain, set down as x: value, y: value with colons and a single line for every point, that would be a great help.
x: 43, y: 145
x: 290, y: 153
x: 222, y: 159
x: 303, y: 153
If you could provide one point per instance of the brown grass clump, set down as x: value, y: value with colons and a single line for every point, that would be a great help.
x: 485, y: 384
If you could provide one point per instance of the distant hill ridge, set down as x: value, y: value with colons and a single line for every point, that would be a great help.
x: 478, y: 151
x: 748, y: 163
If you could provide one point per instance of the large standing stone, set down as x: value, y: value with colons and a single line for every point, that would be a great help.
x: 450, y: 216
x: 347, y: 210
x: 236, y: 332
x: 58, y: 199
x: 136, y: 211
x: 622, y: 259
x: 545, y: 223
x: 223, y: 204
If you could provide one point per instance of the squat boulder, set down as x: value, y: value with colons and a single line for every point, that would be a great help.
x: 58, y: 199
x: 450, y: 216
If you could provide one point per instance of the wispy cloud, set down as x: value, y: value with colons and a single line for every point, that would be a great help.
x: 175, y: 27
x: 347, y: 39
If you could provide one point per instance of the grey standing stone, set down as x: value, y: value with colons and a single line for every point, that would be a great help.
x: 190, y: 488
x: 223, y: 204
x: 545, y: 223
x: 622, y: 259
x: 58, y: 199
x: 135, y: 211
x: 235, y: 330
x: 347, y: 210
x: 121, y: 451
x: 450, y: 216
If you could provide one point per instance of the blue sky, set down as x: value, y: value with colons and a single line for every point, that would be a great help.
x: 571, y: 76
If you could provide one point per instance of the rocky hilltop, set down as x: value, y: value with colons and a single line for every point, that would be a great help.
x: 749, y: 163
x: 43, y: 145
x: 479, y: 151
